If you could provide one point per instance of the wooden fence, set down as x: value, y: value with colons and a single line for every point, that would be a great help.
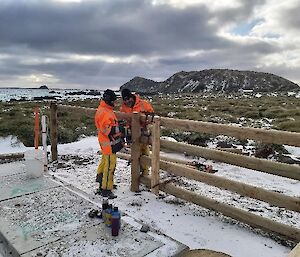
x: 178, y: 169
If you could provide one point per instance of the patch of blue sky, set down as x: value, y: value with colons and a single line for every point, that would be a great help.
x: 244, y: 29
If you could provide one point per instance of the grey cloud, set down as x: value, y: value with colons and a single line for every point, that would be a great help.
x: 290, y: 17
x: 162, y: 35
x: 116, y: 28
x: 242, y: 13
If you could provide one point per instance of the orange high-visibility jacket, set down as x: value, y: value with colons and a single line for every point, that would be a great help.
x: 139, y: 106
x: 105, y: 119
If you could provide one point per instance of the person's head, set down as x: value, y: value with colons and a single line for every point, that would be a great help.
x: 128, y: 97
x: 109, y: 97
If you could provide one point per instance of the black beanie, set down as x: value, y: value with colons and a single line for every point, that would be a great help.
x: 126, y: 93
x: 109, y: 97
x: 109, y: 94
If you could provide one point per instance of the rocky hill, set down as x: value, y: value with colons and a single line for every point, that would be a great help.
x: 142, y: 85
x: 44, y: 87
x: 213, y: 80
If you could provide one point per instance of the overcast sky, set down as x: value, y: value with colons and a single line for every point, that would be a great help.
x: 103, y: 44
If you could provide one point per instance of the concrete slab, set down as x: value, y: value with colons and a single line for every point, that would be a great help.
x: 7, y: 169
x: 19, y: 184
x: 31, y: 221
x: 97, y: 241
x: 48, y: 219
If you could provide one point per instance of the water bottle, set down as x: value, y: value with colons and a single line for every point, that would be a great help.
x: 108, y: 215
x: 115, y: 222
x: 104, y: 208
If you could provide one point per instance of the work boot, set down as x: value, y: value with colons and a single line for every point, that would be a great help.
x: 109, y: 194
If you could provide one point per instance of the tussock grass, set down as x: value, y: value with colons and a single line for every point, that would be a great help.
x: 293, y: 126
x: 282, y: 112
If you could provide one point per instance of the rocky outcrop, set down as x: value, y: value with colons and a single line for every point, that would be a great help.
x: 142, y: 85
x: 44, y: 87
x: 213, y: 80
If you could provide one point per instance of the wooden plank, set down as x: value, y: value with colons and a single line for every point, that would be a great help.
x: 267, y: 136
x: 120, y: 115
x: 155, y: 157
x: 273, y: 198
x: 230, y: 211
x: 271, y: 167
x: 169, y: 159
x: 295, y: 252
x: 53, y: 130
x: 11, y: 156
x: 135, y: 151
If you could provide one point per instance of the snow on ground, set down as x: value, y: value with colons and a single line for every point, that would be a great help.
x: 11, y: 144
x: 190, y: 224
x: 294, y: 151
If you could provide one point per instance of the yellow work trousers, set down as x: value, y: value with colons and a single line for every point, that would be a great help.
x: 107, y: 168
x: 145, y: 151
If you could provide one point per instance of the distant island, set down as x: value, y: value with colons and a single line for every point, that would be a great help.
x: 43, y: 87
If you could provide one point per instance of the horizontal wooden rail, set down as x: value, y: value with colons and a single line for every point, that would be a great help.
x: 267, y: 136
x: 120, y: 115
x: 11, y: 156
x: 230, y: 211
x: 273, y: 198
x: 271, y: 167
x: 169, y: 159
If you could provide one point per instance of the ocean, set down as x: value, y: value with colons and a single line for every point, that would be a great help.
x: 17, y: 94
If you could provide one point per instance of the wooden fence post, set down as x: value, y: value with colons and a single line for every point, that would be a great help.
x: 295, y: 252
x: 53, y: 130
x: 155, y: 155
x: 135, y: 151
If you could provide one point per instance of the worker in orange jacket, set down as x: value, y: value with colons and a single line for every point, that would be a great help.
x: 110, y: 141
x: 133, y: 103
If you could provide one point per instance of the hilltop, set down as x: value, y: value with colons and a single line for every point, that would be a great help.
x: 215, y: 81
x: 43, y: 87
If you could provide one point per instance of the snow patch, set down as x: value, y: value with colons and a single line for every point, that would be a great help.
x: 11, y: 144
